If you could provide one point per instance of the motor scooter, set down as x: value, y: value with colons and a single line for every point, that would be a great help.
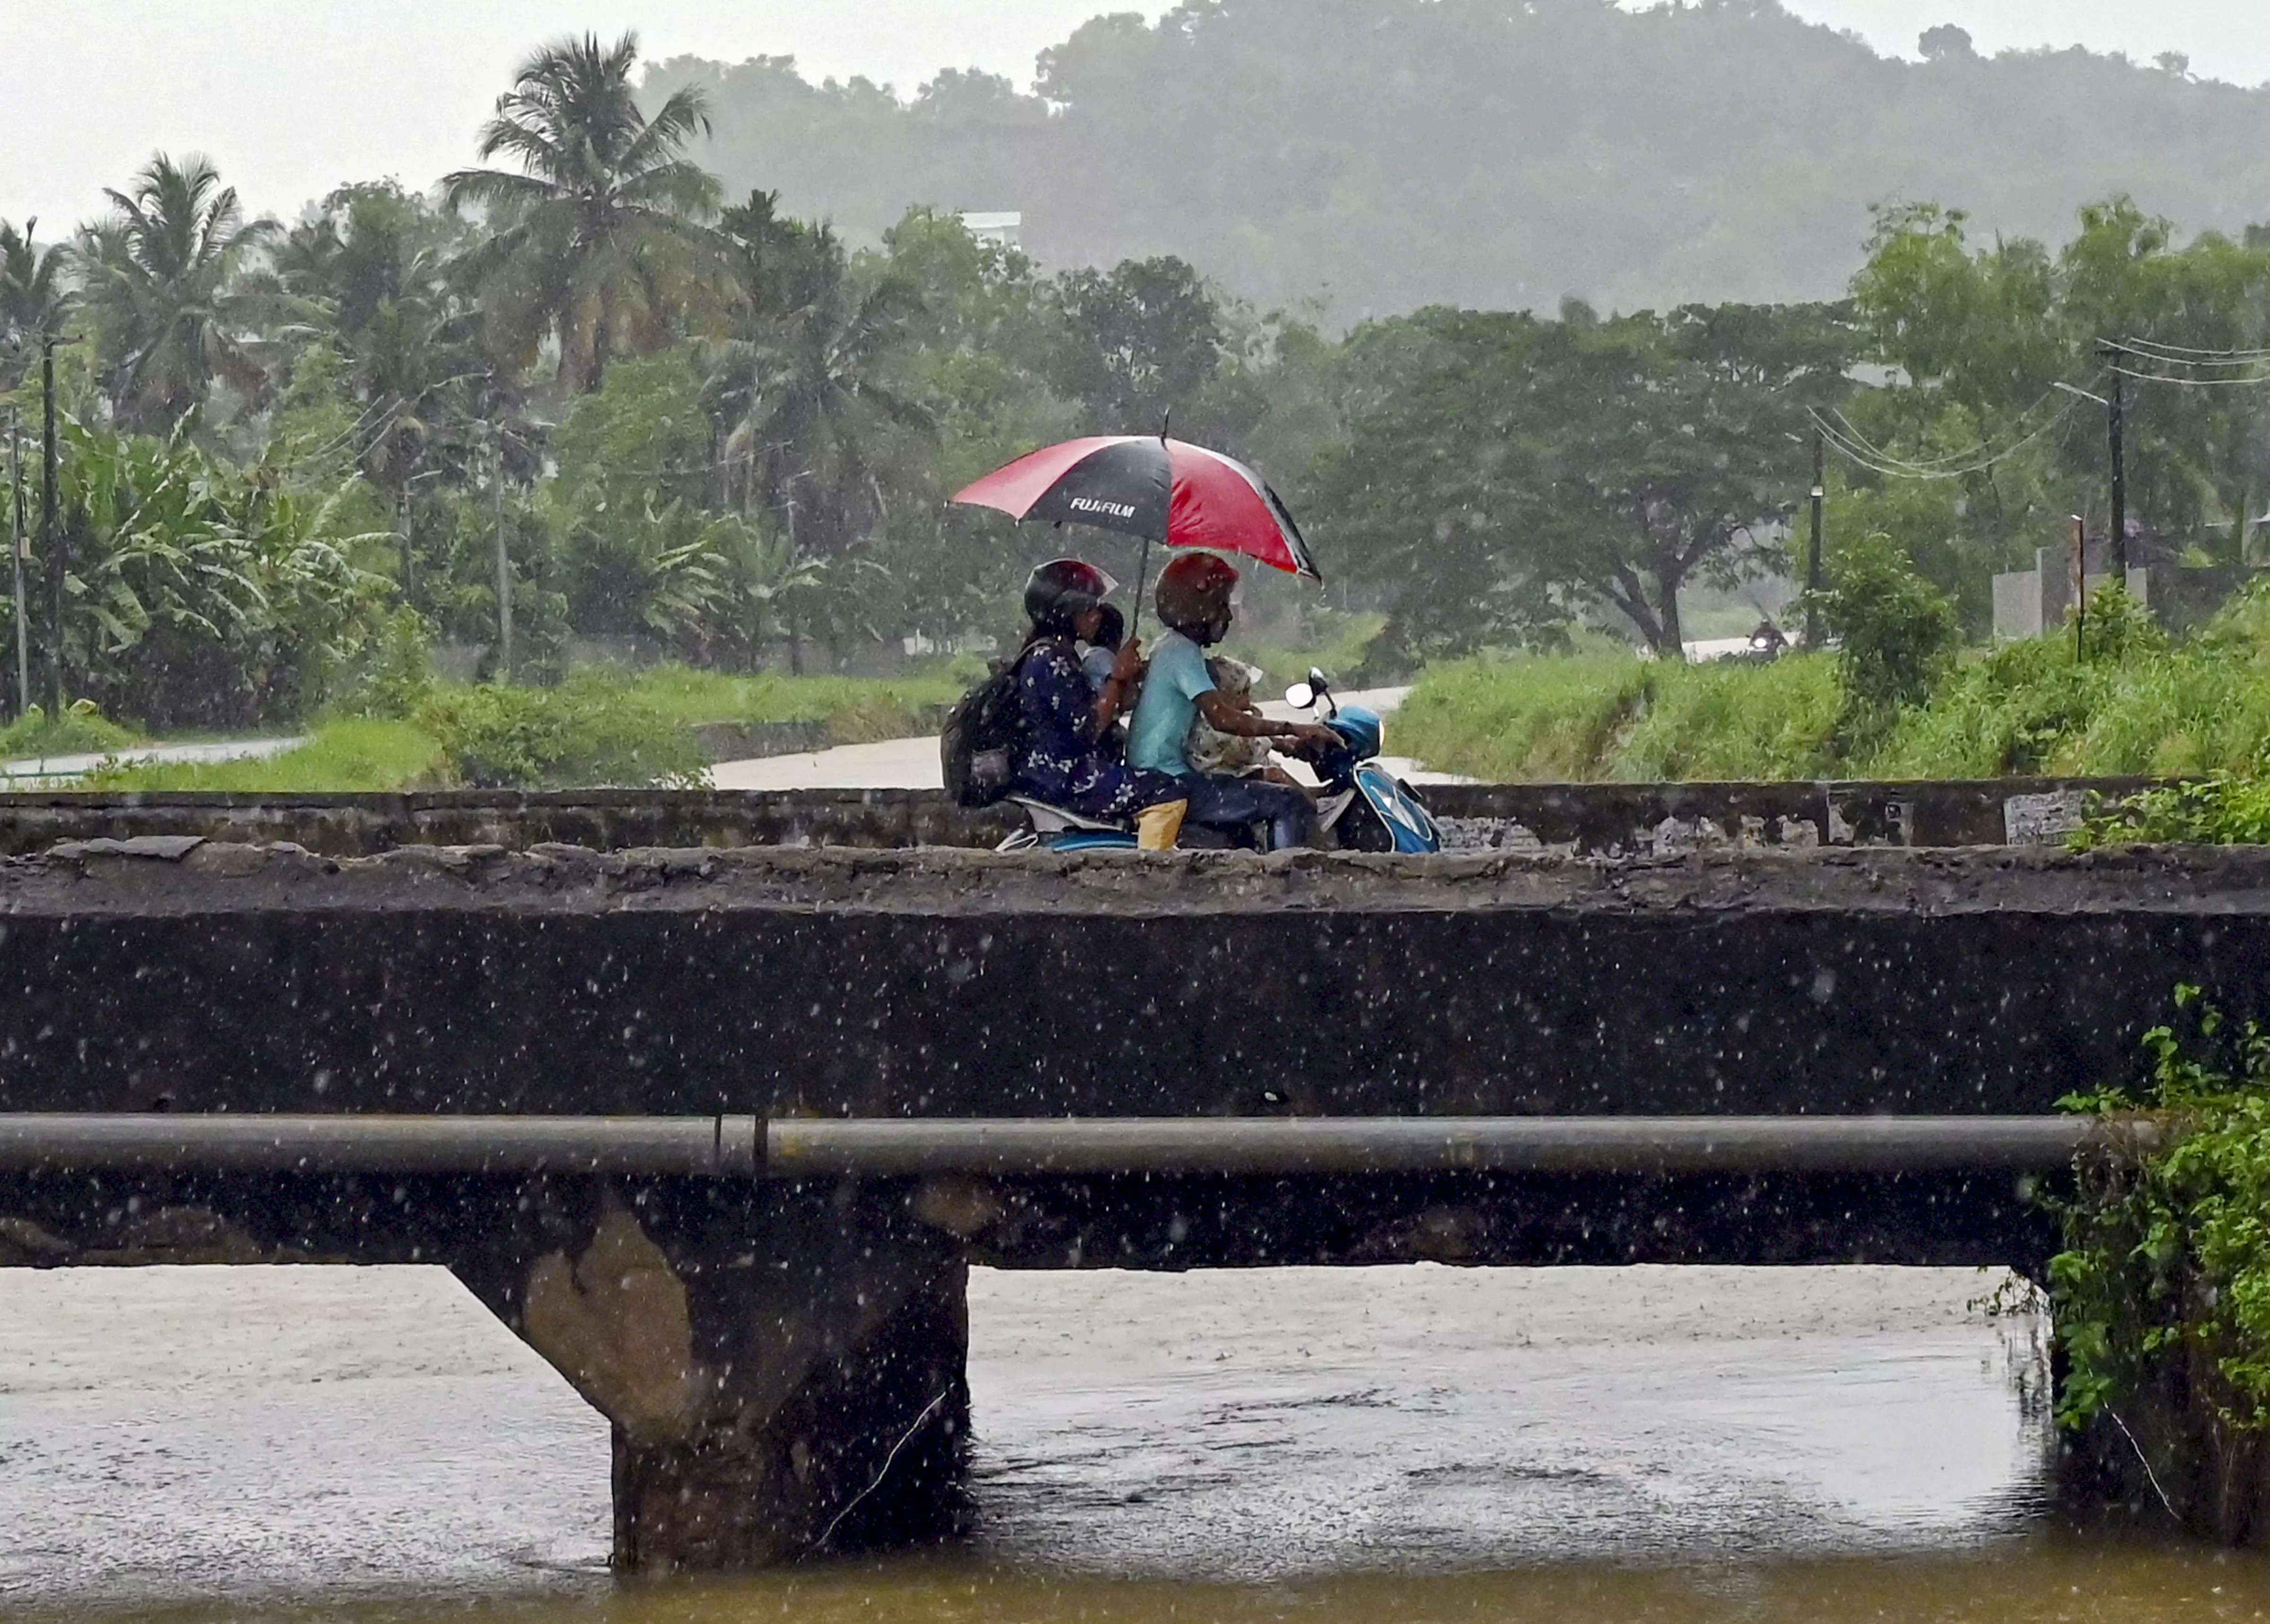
x: 1360, y: 807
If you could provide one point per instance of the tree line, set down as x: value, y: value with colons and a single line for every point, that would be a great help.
x: 1371, y: 157
x: 1498, y: 478
x: 576, y: 390
x: 582, y: 387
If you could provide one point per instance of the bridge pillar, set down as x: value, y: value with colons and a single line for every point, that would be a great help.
x: 783, y: 1367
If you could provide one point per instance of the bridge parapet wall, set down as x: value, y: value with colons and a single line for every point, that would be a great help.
x: 1609, y: 819
x: 232, y: 977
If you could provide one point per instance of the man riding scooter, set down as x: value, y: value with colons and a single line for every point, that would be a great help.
x: 1193, y: 600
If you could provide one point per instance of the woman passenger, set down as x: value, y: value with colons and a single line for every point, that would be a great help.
x: 1064, y: 758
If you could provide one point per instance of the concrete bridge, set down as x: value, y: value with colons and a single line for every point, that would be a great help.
x: 781, y: 1355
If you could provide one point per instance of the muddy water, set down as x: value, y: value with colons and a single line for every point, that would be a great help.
x: 1770, y: 1446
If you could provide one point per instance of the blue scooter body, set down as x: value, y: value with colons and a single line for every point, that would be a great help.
x: 1408, y: 825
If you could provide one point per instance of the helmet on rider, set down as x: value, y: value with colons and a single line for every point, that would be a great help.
x: 1193, y: 597
x: 1059, y: 592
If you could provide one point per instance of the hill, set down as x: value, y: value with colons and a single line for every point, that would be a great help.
x: 1380, y: 155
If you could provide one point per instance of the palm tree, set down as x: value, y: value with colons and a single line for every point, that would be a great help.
x: 802, y: 391
x: 597, y: 233
x: 35, y: 298
x: 806, y: 395
x: 164, y: 278
x: 374, y: 264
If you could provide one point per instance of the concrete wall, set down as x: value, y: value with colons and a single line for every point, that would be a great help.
x: 2028, y: 602
x: 963, y: 983
x: 1607, y: 818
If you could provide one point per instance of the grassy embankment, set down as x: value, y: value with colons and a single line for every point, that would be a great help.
x: 597, y: 727
x: 2144, y: 706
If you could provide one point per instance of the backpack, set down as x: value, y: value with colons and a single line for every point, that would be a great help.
x: 978, y: 746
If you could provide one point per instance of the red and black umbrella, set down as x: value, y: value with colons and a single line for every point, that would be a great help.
x: 1163, y: 490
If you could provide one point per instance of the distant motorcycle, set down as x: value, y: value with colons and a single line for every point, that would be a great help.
x: 1766, y: 645
x: 1362, y: 806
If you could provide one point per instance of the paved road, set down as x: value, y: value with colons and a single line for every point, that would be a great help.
x: 44, y: 768
x: 912, y: 763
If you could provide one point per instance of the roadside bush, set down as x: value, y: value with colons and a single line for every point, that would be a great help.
x: 2162, y: 1295
x: 82, y: 727
x: 1728, y: 719
x: 1532, y: 718
x: 1899, y: 634
x: 395, y: 676
x: 2135, y: 704
x: 2222, y: 812
x: 586, y: 733
x: 1573, y: 719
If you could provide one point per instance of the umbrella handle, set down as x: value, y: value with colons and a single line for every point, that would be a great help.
x: 1142, y: 570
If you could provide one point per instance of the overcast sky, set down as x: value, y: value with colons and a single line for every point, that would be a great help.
x: 291, y: 97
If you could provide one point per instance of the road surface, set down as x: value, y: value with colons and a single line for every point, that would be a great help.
x: 32, y: 772
x: 912, y: 763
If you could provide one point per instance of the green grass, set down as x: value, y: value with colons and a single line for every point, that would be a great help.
x: 1597, y: 716
x: 855, y: 710
x: 79, y: 727
x: 596, y: 728
x: 2137, y: 705
x: 341, y: 757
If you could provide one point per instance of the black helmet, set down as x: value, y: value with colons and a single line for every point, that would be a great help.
x: 1060, y: 592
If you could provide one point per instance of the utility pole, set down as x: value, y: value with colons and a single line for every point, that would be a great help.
x: 1812, y: 552
x: 402, y: 538
x: 2079, y: 587
x: 2115, y: 429
x: 16, y: 544
x: 48, y: 548
x: 503, y: 564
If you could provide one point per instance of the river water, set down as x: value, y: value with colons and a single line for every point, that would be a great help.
x: 1325, y: 1446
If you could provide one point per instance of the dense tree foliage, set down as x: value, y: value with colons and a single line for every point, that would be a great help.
x: 1383, y: 155
x: 1976, y: 449
x: 581, y: 384
x: 1497, y: 472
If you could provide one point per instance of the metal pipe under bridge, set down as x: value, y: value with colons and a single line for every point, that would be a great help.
x: 747, y: 1146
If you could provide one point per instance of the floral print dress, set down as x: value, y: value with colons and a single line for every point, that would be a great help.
x: 1059, y: 762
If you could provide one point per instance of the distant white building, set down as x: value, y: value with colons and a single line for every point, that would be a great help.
x: 1006, y: 228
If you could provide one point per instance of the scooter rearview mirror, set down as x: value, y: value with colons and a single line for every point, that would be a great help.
x: 1300, y: 696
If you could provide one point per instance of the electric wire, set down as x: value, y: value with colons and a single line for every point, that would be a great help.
x: 2187, y: 355
x: 1873, y: 458
x: 2194, y: 383
x: 1855, y: 438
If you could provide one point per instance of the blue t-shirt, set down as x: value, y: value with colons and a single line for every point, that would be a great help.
x: 1164, y: 715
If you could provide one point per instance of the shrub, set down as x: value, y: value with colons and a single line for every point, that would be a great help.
x: 2162, y: 1295
x: 1899, y: 634
x: 2222, y: 811
x: 1728, y: 719
x: 586, y: 733
x: 395, y: 676
x: 81, y: 727
x: 1534, y: 717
